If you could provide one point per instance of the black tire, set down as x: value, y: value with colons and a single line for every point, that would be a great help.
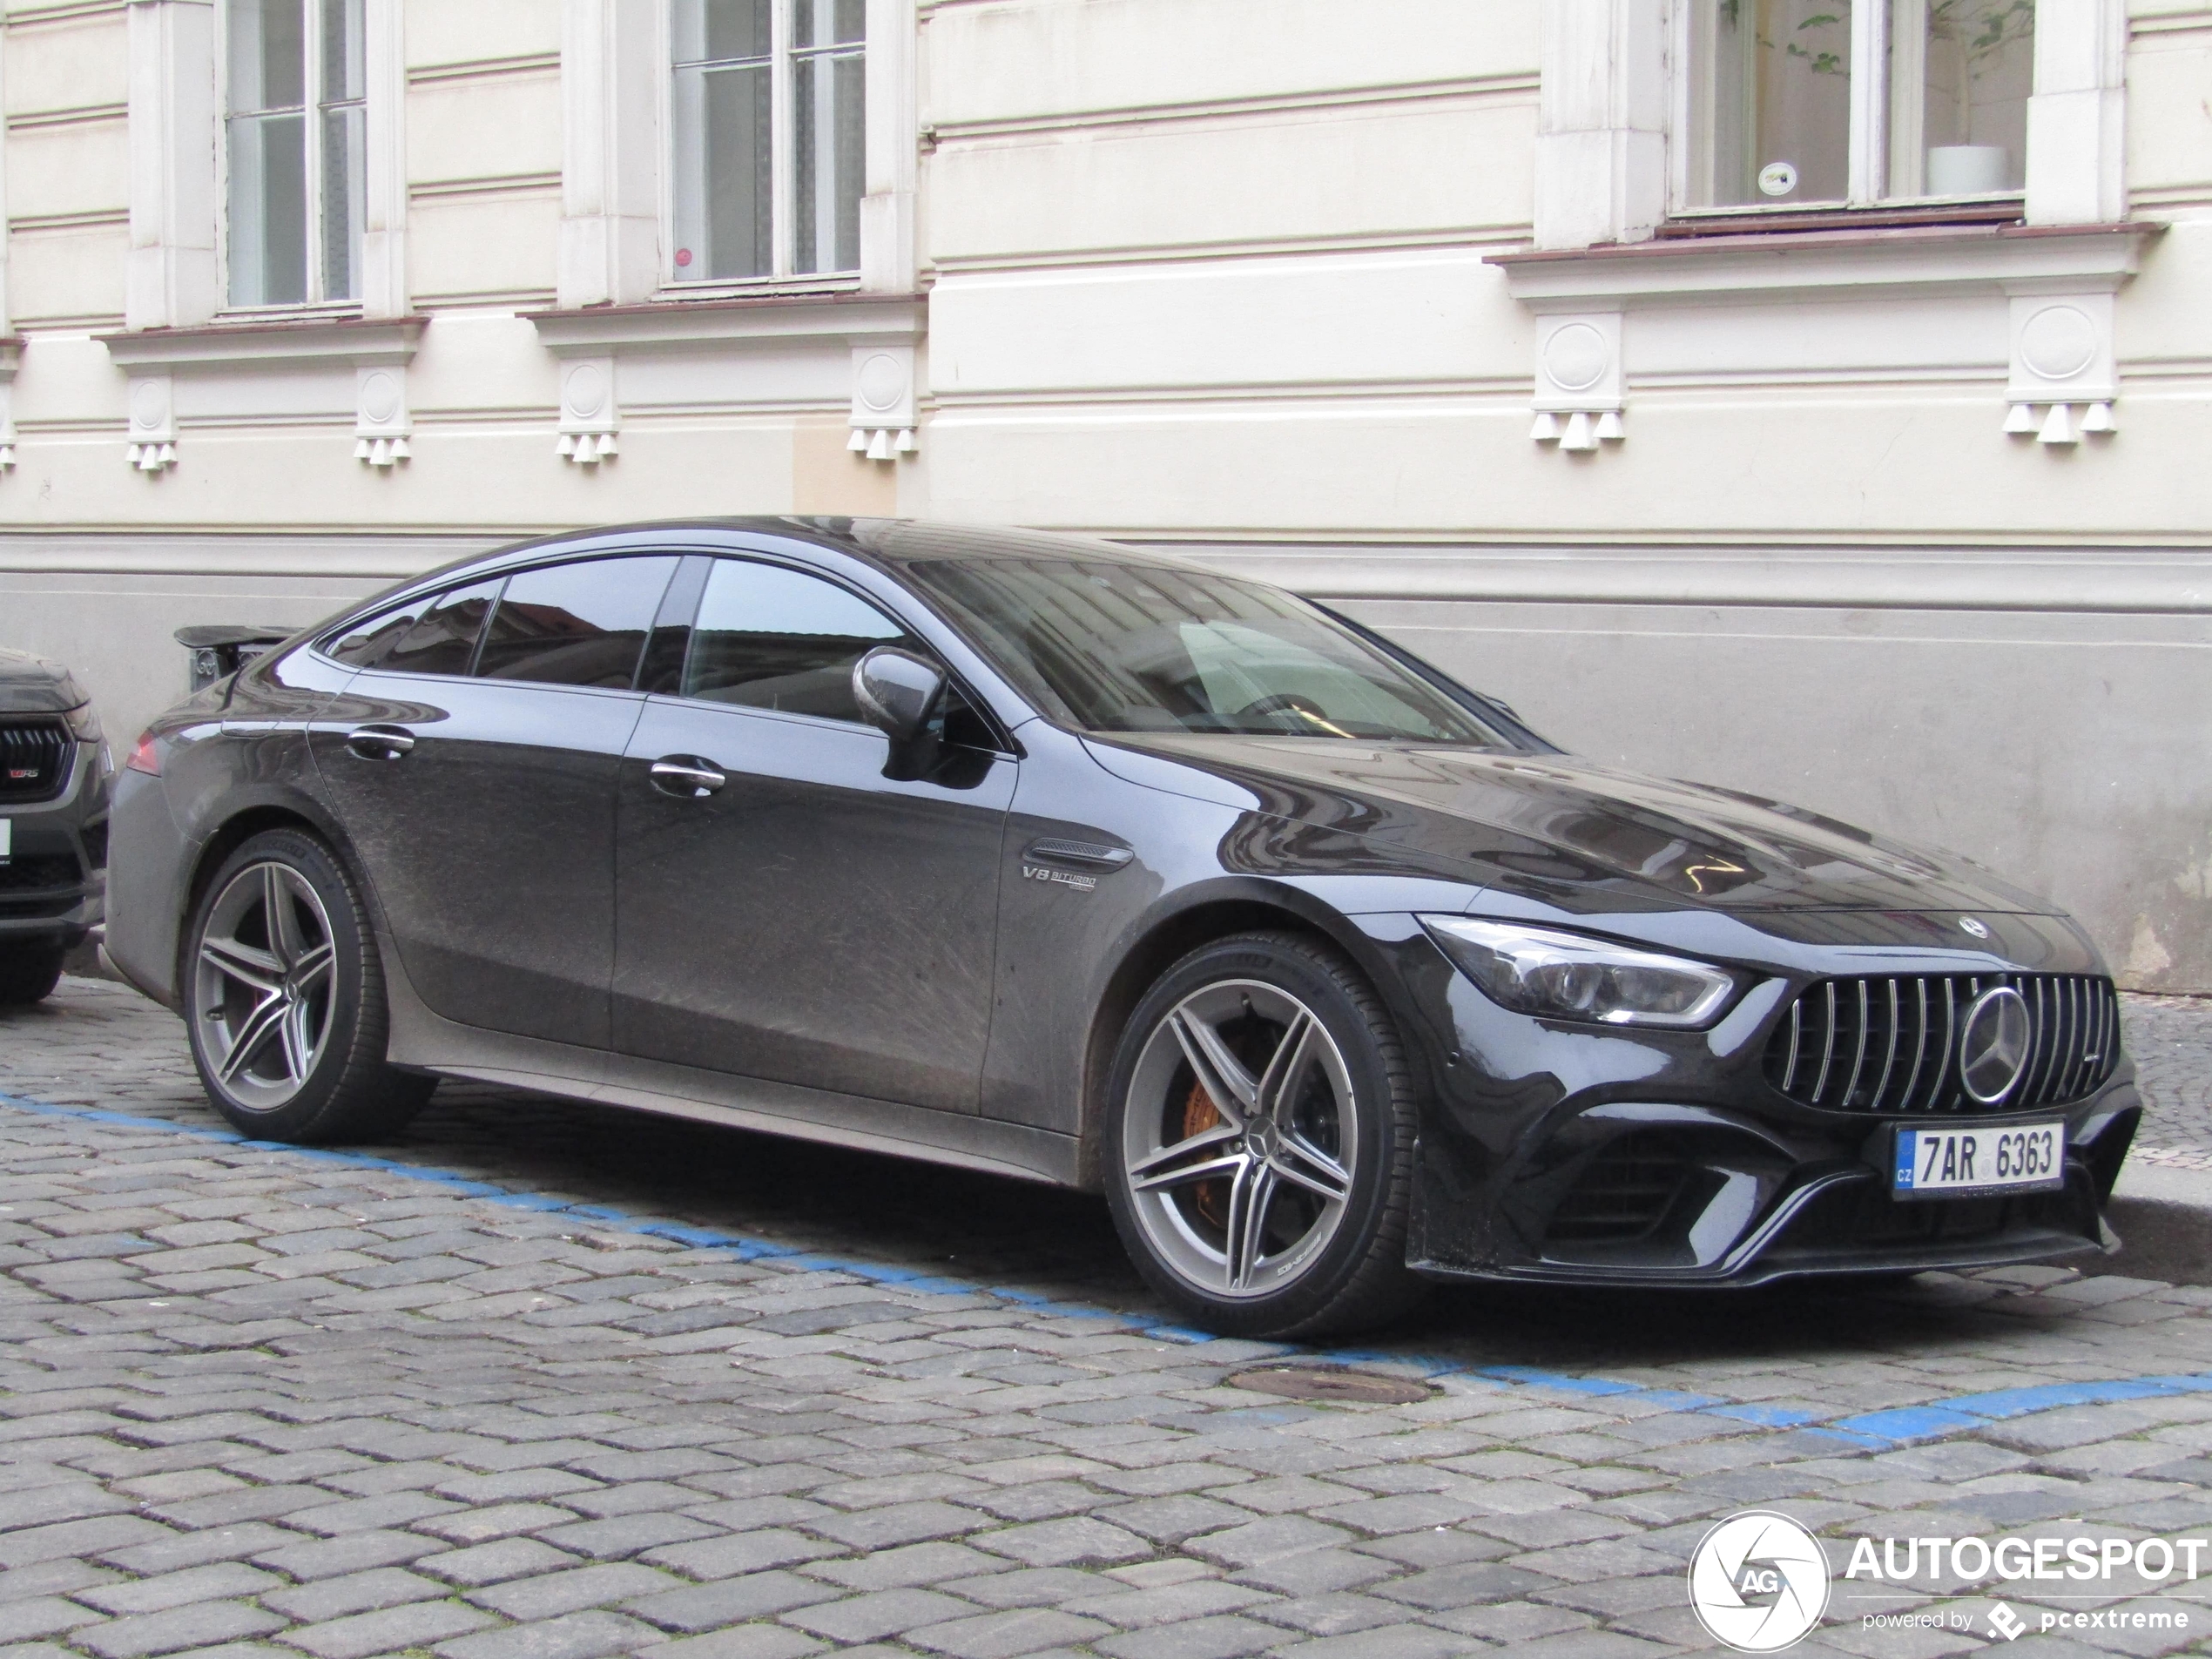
x: 1347, y: 1270
x: 336, y: 1088
x: 28, y: 974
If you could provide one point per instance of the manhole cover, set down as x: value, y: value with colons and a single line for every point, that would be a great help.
x: 1332, y: 1382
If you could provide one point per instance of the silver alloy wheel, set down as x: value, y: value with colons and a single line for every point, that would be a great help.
x: 1239, y: 1139
x: 262, y: 987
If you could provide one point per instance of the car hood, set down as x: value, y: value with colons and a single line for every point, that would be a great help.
x: 33, y: 685
x: 1570, y: 831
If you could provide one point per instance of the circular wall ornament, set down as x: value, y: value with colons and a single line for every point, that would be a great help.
x: 147, y: 406
x: 1576, y: 356
x: 380, y: 397
x: 2058, y: 341
x: 1777, y: 178
x: 586, y: 390
x: 882, y: 383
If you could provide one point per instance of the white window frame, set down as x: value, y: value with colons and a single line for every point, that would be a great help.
x: 180, y: 165
x: 1878, y: 109
x: 618, y: 244
x: 783, y: 62
x: 1612, y: 147
x: 319, y: 301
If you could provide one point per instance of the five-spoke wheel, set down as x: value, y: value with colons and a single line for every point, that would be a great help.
x: 262, y: 999
x: 1262, y: 1118
x: 285, y: 998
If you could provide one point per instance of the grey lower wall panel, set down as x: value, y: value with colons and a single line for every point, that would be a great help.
x: 2067, y: 750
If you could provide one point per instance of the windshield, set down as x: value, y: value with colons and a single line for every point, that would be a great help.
x: 1150, y: 648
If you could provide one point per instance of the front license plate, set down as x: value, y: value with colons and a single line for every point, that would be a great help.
x: 1940, y: 1163
x: 7, y: 839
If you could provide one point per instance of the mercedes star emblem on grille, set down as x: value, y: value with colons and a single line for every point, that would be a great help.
x: 1994, y: 1044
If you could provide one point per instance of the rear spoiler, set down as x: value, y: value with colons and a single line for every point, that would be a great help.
x: 221, y: 649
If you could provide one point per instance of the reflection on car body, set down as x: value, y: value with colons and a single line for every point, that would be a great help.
x: 1036, y: 856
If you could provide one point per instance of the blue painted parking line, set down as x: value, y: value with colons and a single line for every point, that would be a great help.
x: 1871, y: 1430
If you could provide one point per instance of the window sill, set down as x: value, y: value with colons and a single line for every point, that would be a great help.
x: 324, y: 339
x: 1799, y: 261
x: 1771, y: 221
x: 735, y: 320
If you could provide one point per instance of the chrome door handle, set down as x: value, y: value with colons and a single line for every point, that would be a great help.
x: 686, y: 777
x: 380, y: 742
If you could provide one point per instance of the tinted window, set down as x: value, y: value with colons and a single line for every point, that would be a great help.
x: 575, y: 624
x: 1156, y: 647
x: 770, y: 637
x: 363, y: 645
x: 443, y: 637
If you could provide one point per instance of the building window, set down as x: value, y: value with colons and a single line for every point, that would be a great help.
x: 296, y: 150
x: 769, y: 126
x: 1836, y: 102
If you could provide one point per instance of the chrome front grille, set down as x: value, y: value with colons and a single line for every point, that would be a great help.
x: 34, y: 759
x: 1891, y: 1045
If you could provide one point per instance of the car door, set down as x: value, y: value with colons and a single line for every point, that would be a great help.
x: 473, y: 771
x: 783, y: 910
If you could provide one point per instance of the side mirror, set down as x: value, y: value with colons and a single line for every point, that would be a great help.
x: 897, y: 691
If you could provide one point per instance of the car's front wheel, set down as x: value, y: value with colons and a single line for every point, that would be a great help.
x: 286, y: 1009
x: 1259, y: 1140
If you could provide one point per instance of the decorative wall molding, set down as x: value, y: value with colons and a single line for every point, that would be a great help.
x: 590, y: 419
x: 383, y: 288
x: 1578, y: 380
x: 2059, y: 282
x: 151, y: 400
x: 383, y: 425
x: 175, y: 130
x: 886, y: 401
x: 859, y: 351
x: 2077, y: 118
x: 2062, y: 363
x: 889, y: 260
x: 376, y: 350
x: 611, y: 65
x: 1602, y: 122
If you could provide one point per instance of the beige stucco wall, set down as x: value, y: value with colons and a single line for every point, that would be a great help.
x: 1215, y: 276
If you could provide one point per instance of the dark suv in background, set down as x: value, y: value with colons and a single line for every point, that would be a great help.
x: 54, y: 773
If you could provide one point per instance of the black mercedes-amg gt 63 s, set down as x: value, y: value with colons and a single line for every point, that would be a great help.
x: 1036, y: 856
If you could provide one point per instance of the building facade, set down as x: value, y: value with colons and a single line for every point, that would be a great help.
x: 1806, y: 396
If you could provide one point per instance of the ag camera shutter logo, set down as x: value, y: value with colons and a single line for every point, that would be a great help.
x: 1758, y: 1582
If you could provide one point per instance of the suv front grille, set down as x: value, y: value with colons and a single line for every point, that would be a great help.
x: 39, y: 875
x: 1891, y: 1045
x: 34, y: 759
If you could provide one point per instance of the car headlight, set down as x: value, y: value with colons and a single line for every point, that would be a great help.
x: 1565, y: 977
x: 83, y: 725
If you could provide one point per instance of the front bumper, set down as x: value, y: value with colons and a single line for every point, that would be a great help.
x: 1560, y: 1153
x: 53, y: 886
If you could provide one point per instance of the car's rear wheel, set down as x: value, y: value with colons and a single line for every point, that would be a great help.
x: 28, y: 974
x: 1259, y: 1141
x: 285, y: 999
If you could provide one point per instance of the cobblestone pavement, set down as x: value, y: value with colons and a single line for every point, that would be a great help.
x: 2171, y: 1039
x: 548, y: 1382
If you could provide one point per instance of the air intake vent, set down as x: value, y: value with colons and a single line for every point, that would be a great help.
x: 39, y: 875
x: 1891, y: 1045
x: 34, y: 759
x: 1624, y: 1192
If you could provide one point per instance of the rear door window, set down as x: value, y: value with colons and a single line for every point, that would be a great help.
x: 443, y: 637
x: 583, y: 624
x: 768, y: 637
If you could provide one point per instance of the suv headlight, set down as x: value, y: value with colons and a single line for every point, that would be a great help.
x: 1565, y: 977
x: 83, y: 725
